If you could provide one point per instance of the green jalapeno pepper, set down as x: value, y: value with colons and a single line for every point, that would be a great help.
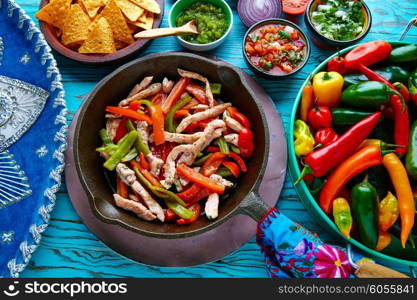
x: 365, y: 212
x: 170, y: 125
x: 304, y: 140
x: 411, y: 158
x: 140, y: 145
x: 347, y: 116
x: 403, y: 54
x: 367, y: 94
x: 122, y: 150
x: 391, y: 73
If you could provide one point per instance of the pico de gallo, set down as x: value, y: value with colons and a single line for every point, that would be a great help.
x: 275, y: 48
x: 177, y: 152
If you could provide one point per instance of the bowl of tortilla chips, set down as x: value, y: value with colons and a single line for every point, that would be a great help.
x: 98, y: 31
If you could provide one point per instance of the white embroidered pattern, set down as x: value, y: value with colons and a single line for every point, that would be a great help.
x: 25, y: 58
x: 7, y: 237
x: 1, y: 50
x: 42, y: 151
x: 17, y: 264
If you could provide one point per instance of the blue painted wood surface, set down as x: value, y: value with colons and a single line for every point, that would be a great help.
x: 69, y: 249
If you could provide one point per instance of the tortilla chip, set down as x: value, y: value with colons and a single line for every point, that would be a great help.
x: 76, y: 25
x: 130, y: 10
x: 117, y: 22
x: 91, y: 6
x: 149, y: 5
x: 100, y: 38
x: 54, y: 12
x: 145, y: 21
x: 120, y: 45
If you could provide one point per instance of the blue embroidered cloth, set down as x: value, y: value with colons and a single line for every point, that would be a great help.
x: 290, y: 250
x: 39, y: 153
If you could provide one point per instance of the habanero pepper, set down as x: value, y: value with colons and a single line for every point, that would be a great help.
x: 399, y: 179
x: 388, y: 212
x: 325, y: 136
x: 304, y: 140
x: 245, y: 143
x: 365, y: 212
x: 411, y: 157
x: 368, y: 54
x: 342, y: 216
x: 360, y: 161
x: 307, y: 100
x: 324, y: 159
x: 320, y: 117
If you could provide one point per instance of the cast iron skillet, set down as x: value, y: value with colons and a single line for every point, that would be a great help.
x: 114, y: 87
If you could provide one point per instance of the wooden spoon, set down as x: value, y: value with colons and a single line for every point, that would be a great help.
x: 190, y: 27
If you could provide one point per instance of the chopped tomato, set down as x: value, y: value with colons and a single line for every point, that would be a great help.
x: 294, y: 7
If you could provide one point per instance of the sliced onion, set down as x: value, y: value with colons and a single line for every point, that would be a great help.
x: 253, y: 11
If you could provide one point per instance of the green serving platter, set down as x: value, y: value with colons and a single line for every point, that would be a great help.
x: 308, y: 200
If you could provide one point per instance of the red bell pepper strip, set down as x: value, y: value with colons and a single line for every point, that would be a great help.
x: 170, y: 215
x: 126, y: 112
x: 121, y: 131
x: 360, y: 161
x: 175, y: 94
x: 194, y: 194
x: 198, y: 178
x: 182, y: 113
x: 196, y: 209
x: 148, y: 175
x: 233, y: 167
x: 135, y: 105
x: 158, y: 121
x: 158, y: 98
x: 198, y: 93
x: 307, y: 101
x: 199, y: 124
x: 337, y: 64
x: 143, y: 162
x: 241, y: 118
x: 368, y: 54
x: 321, y: 161
x: 122, y: 188
x: 239, y: 161
x: 325, y: 136
x: 212, y: 164
x: 245, y: 143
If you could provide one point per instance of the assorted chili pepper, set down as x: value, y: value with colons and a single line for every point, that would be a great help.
x: 307, y: 100
x: 320, y: 117
x: 327, y: 87
x: 388, y: 212
x: 325, y: 136
x: 304, y: 140
x: 342, y: 216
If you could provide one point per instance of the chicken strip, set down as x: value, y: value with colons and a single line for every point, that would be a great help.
x: 232, y: 138
x: 212, y: 206
x: 209, y: 113
x: 153, y: 89
x: 139, y: 209
x: 167, y: 85
x: 232, y: 123
x: 155, y: 162
x: 181, y: 138
x: 143, y: 131
x: 221, y: 180
x: 111, y: 127
x: 141, y: 86
x: 128, y: 176
x: 196, y: 76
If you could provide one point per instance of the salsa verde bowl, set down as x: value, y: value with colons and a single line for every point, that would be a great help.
x: 307, y: 198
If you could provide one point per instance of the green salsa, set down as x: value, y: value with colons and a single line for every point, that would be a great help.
x: 340, y: 20
x: 211, y: 22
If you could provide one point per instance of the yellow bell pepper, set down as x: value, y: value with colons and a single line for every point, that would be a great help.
x: 327, y: 88
x: 304, y: 140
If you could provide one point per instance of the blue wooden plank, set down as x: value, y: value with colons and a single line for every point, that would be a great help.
x: 68, y: 249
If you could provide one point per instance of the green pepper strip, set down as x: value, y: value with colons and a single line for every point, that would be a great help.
x: 121, y: 151
x: 202, y: 160
x: 224, y: 172
x: 140, y: 145
x: 109, y: 149
x: 178, y: 209
x: 146, y: 102
x: 216, y: 88
x: 131, y: 155
x: 158, y: 191
x: 234, y: 149
x: 170, y: 126
x: 105, y: 137
x: 224, y: 147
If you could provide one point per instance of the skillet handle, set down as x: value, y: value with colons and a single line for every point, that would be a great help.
x: 253, y: 206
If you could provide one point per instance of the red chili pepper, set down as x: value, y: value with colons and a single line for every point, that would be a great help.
x: 121, y: 131
x: 196, y: 209
x: 198, y: 92
x: 239, y: 161
x: 175, y: 94
x: 233, y: 167
x: 241, y: 118
x: 368, y: 54
x: 337, y: 64
x: 212, y: 164
x: 324, y: 159
x: 194, y: 194
x: 403, y: 91
x: 326, y: 136
x: 320, y: 117
x: 360, y: 161
x: 245, y: 143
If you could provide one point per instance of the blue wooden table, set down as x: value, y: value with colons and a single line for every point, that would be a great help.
x: 69, y: 249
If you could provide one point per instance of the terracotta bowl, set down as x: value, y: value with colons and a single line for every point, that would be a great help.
x: 120, y: 55
x: 244, y: 199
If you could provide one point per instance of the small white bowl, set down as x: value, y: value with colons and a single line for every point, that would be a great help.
x: 201, y: 47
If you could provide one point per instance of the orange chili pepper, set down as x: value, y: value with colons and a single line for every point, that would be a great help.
x: 384, y: 239
x: 307, y: 100
x: 399, y: 178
